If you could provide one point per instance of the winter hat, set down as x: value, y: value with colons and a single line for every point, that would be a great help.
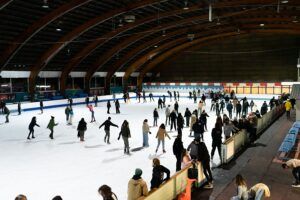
x: 52, y: 116
x: 109, y: 118
x: 138, y: 172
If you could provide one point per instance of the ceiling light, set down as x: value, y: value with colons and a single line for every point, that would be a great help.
x: 262, y: 25
x: 120, y: 23
x: 218, y: 22
x: 45, y: 4
x: 164, y: 33
x: 185, y: 5
x: 284, y: 1
x: 58, y: 29
x: 155, y: 46
x: 129, y: 18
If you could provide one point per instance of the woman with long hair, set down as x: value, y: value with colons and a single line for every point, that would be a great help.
x: 125, y: 132
x: 161, y: 134
x: 106, y: 193
x: 242, y: 193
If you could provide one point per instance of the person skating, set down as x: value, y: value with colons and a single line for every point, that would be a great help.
x: 178, y: 95
x: 90, y: 107
x: 203, y: 157
x: 173, y: 118
x: 222, y: 106
x: 19, y: 108
x: 108, y: 105
x: 180, y: 123
x: 229, y: 108
x: 70, y: 102
x: 161, y: 134
x: 107, y: 125
x: 71, y: 115
x: 155, y: 117
x: 137, y: 187
x: 67, y: 113
x: 50, y: 126
x: 160, y: 102
x: 176, y: 107
x: 31, y: 128
x: 203, y: 118
x: 164, y: 101
x: 125, y: 133
x: 216, y: 135
x: 7, y: 113
x: 41, y: 106
x: 177, y: 151
x: 158, y: 174
x: 87, y: 101
x: 144, y: 96
x: 124, y: 97
x: 251, y: 106
x: 81, y: 128
x: 106, y: 193
x: 238, y: 109
x: 193, y: 149
x: 151, y: 97
x: 195, y: 97
x: 200, y: 106
x: 203, y: 98
x: 245, y: 107
x: 117, y: 105
x: 146, y: 131
x: 198, y: 129
x: 190, y: 95
x: 167, y: 113
x: 187, y: 116
x: 217, y: 105
x: 293, y: 164
x: 175, y: 96
x: 193, y: 121
x: 229, y: 128
x: 96, y: 100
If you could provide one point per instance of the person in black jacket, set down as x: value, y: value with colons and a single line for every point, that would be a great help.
x: 176, y: 106
x: 107, y: 125
x: 229, y: 108
x: 175, y: 96
x: 198, y: 129
x: 177, y: 151
x: 203, y: 157
x: 155, y: 117
x: 216, y: 135
x: 187, y: 116
x: 160, y: 102
x: 117, y: 104
x: 222, y: 105
x: 158, y: 174
x: 81, y: 128
x: 238, y: 109
x: 41, y: 106
x: 180, y: 123
x: 125, y: 133
x: 264, y: 108
x: 173, y: 118
x: 203, y: 118
x: 19, y: 108
x: 96, y: 100
x: 108, y: 105
x: 31, y: 128
x: 7, y: 113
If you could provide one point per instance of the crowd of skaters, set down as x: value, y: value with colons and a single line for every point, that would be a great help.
x: 196, y: 121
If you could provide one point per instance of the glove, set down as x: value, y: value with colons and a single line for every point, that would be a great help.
x: 149, y: 132
x: 118, y: 138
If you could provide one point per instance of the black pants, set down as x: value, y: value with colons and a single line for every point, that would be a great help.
x: 288, y: 114
x: 214, y: 146
x: 51, y: 134
x: 238, y: 114
x: 108, y: 108
x: 230, y: 114
x: 117, y: 110
x: 206, y: 170
x: 31, y: 132
x: 173, y: 123
x: 178, y: 162
x: 155, y: 121
x: 160, y: 106
x: 187, y: 119
x: 296, y: 174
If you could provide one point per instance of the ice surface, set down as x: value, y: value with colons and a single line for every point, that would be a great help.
x: 42, y: 168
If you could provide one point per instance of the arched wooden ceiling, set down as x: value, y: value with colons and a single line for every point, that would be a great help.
x: 91, y: 38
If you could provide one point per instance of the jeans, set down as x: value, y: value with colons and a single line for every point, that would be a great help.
x: 145, y: 139
x: 296, y: 174
x: 155, y: 121
x: 207, y: 171
x: 173, y: 123
x: 126, y: 144
x: 158, y: 144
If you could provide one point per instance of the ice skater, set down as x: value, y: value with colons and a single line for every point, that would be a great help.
x: 67, y: 113
x: 50, y: 126
x: 41, y: 106
x: 144, y: 97
x: 96, y: 100
x: 31, y: 128
x: 92, y: 113
x: 125, y: 133
x: 71, y: 115
x: 146, y: 131
x: 173, y: 118
x: 7, y: 113
x: 187, y: 116
x: 167, y: 113
x: 117, y: 105
x: 81, y: 128
x: 19, y: 108
x: 108, y: 105
x: 155, y: 117
x: 107, y: 125
x: 161, y: 134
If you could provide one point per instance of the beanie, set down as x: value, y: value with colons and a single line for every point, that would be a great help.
x: 138, y: 172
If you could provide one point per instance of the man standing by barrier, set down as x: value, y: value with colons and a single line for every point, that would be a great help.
x: 203, y: 157
x: 293, y: 164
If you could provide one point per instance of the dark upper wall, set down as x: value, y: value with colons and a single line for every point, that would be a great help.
x: 268, y: 58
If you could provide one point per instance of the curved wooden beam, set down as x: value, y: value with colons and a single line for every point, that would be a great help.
x: 199, y: 42
x: 4, y: 3
x: 19, y: 41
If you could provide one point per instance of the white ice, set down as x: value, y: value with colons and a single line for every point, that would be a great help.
x: 42, y: 168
